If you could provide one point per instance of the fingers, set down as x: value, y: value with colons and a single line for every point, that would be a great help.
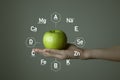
x: 50, y: 52
x: 38, y: 50
x: 54, y: 53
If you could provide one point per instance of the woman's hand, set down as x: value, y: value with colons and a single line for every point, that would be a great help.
x: 67, y: 53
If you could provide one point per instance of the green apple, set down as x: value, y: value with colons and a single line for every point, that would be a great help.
x: 54, y: 39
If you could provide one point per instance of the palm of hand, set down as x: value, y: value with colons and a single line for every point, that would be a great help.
x: 68, y: 52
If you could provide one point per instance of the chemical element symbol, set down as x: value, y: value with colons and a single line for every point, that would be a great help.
x: 55, y: 17
x: 55, y: 65
x: 80, y: 42
x: 30, y: 42
x: 33, y: 29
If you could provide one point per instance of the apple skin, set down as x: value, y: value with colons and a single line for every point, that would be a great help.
x: 54, y: 39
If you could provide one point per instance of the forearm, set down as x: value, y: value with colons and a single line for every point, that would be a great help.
x: 107, y: 54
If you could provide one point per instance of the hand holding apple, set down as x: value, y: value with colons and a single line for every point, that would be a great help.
x: 55, y: 39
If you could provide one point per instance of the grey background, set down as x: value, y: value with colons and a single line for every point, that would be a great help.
x: 99, y: 22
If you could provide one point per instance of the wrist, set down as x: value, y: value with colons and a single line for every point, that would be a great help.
x: 95, y: 53
x: 87, y: 54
